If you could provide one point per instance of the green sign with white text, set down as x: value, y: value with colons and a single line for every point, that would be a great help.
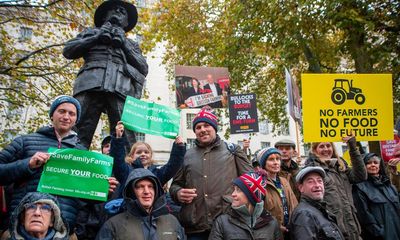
x: 151, y: 118
x: 76, y: 173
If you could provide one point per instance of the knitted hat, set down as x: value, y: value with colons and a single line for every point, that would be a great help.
x: 264, y: 153
x: 66, y: 99
x: 253, y: 186
x: 285, y: 142
x: 206, y: 115
x: 303, y: 173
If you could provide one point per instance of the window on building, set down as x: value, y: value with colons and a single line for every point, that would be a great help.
x: 10, y: 134
x: 189, y: 120
x: 364, y: 148
x: 265, y: 144
x: 264, y: 127
x: 139, y: 38
x: 344, y: 148
x: 140, y: 137
x: 25, y: 33
x: 307, y: 149
x: 141, y: 3
x: 284, y: 129
x: 16, y: 111
x: 190, y: 143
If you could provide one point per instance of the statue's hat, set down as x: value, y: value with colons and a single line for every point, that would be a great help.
x: 101, y: 11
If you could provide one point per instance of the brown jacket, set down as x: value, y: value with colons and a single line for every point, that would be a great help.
x: 289, y: 173
x: 211, y: 171
x: 338, y: 191
x: 273, y: 201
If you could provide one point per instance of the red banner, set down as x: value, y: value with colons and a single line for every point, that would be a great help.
x: 387, y: 148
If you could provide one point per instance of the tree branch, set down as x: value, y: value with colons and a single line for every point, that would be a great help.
x: 31, y: 54
x: 22, y: 4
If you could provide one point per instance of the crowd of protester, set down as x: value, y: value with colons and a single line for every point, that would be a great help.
x: 216, y: 191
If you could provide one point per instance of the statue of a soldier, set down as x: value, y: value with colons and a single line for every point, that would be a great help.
x: 114, y: 67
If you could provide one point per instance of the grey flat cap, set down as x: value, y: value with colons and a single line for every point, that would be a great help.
x: 285, y: 142
x: 303, y: 172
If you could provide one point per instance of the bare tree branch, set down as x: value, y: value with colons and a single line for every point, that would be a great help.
x: 31, y: 54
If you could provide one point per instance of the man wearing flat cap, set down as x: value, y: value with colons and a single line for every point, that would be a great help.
x: 114, y: 67
x: 310, y: 219
x: 289, y: 166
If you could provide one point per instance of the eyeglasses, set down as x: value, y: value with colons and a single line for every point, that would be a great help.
x: 44, y: 208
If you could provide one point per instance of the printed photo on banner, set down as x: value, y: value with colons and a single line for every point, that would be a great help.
x: 76, y: 173
x: 150, y: 118
x: 199, y: 86
x: 243, y: 113
x: 338, y: 105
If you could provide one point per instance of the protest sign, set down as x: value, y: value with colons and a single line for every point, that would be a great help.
x: 387, y: 148
x: 76, y: 173
x: 201, y: 100
x: 150, y: 118
x: 243, y: 113
x: 197, y: 86
x: 293, y: 98
x: 336, y: 105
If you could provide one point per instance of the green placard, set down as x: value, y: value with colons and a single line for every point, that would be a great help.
x: 76, y: 173
x: 150, y: 118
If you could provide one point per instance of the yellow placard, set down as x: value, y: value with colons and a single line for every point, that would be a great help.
x: 334, y: 105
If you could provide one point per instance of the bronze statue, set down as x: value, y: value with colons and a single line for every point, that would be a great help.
x: 114, y: 67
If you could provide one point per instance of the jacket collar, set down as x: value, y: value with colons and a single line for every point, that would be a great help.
x: 216, y: 142
x: 49, y: 131
x: 321, y: 206
x: 293, y: 166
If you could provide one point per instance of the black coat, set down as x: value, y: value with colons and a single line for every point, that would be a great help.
x: 311, y: 220
x: 378, y: 208
x: 219, y: 92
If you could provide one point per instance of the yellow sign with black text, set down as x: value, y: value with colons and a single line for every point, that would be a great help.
x: 334, y: 105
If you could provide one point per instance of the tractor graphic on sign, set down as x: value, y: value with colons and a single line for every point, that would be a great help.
x: 344, y: 90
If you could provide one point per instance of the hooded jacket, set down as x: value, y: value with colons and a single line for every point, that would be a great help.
x: 378, y: 207
x: 135, y: 222
x: 14, y: 167
x: 59, y: 231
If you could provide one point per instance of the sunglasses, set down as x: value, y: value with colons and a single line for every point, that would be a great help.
x: 44, y: 208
